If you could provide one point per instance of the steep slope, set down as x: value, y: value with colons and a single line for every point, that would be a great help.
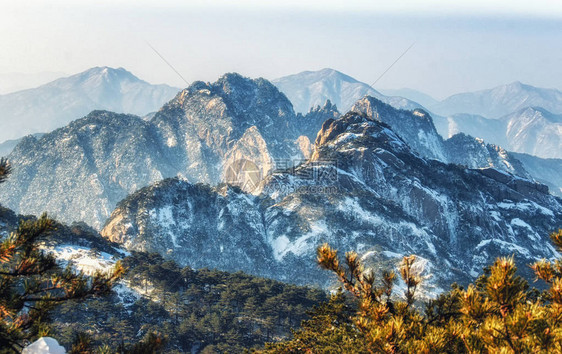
x: 363, y: 189
x: 547, y: 171
x: 530, y: 130
x: 501, y: 100
x: 309, y: 124
x: 55, y: 104
x: 534, y: 131
x: 202, y: 125
x: 309, y: 89
x: 416, y: 127
x: 475, y: 153
x: 81, y: 171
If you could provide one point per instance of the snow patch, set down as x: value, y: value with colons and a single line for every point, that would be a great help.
x: 282, y: 245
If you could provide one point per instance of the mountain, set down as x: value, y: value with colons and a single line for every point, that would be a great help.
x: 309, y: 89
x: 499, y: 101
x: 474, y: 153
x: 363, y: 189
x: 7, y: 146
x: 547, y: 171
x: 411, y: 94
x: 530, y: 130
x: 310, y: 123
x: 534, y: 131
x: 490, y: 130
x: 147, y: 296
x: 57, y: 103
x: 416, y: 127
x: 205, y: 134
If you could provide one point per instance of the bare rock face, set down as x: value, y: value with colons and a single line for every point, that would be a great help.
x: 475, y: 153
x: 81, y: 171
x: 416, y: 127
x: 364, y: 189
x: 310, y: 123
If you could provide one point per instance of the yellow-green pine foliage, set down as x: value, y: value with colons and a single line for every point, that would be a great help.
x: 500, y: 313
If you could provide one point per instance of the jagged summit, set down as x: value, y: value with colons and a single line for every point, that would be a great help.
x: 364, y: 189
x: 416, y: 127
x: 198, y: 135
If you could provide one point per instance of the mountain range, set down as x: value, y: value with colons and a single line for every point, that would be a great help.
x: 206, y: 134
x: 518, y: 117
x: 81, y: 171
x: 309, y: 89
x: 227, y: 175
x: 500, y: 101
x: 363, y: 189
x: 55, y: 104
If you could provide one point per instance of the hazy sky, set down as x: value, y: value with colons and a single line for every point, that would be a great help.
x: 460, y: 45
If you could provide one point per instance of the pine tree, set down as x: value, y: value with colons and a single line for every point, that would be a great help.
x: 32, y: 284
x: 500, y: 313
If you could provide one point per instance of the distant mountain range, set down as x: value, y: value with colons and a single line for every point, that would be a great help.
x: 309, y: 89
x: 55, y: 104
x: 227, y: 175
x: 500, y: 101
x: 518, y: 117
x: 531, y: 130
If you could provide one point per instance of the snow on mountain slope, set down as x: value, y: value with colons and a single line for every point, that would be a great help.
x: 530, y: 130
x: 547, y: 171
x: 80, y: 172
x: 416, y: 127
x: 364, y: 189
x: 475, y: 153
x: 56, y: 103
x: 534, y: 131
x: 309, y: 89
x: 499, y: 101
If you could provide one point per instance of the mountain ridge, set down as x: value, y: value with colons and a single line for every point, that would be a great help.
x: 365, y: 190
x: 65, y: 99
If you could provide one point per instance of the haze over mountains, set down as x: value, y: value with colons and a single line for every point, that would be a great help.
x: 309, y: 89
x: 50, y: 106
x: 518, y: 117
x: 297, y: 180
x: 500, y: 101
x: 364, y: 189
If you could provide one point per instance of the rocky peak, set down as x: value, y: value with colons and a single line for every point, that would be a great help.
x: 363, y: 190
x: 475, y: 153
x: 309, y: 124
x: 416, y: 127
x: 198, y: 135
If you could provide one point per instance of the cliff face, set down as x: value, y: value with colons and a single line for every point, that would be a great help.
x: 364, y: 189
x: 81, y: 171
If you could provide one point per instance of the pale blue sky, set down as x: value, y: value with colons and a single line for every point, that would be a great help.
x: 460, y: 45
